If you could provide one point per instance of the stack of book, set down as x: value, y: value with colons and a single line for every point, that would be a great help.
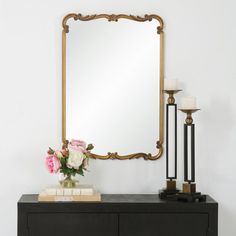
x: 81, y: 193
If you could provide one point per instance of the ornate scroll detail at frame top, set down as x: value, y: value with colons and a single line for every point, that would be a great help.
x: 112, y: 17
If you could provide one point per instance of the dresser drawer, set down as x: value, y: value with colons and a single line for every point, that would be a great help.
x: 163, y: 224
x: 72, y: 224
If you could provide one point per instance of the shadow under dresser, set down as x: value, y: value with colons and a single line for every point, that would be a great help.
x: 117, y: 215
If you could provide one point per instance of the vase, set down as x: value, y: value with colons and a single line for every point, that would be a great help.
x: 68, y: 182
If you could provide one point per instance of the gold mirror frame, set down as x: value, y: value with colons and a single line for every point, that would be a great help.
x: 113, y: 17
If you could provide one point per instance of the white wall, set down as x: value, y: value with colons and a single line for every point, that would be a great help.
x: 200, y: 51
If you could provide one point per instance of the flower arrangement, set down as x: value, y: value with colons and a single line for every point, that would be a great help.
x: 71, y: 160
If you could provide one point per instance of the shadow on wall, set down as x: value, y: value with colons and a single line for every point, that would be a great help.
x: 215, y: 139
x: 215, y: 131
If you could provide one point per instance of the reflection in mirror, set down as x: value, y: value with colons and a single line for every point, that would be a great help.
x: 113, y: 85
x: 171, y: 141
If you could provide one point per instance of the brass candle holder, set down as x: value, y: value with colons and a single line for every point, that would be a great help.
x: 171, y: 99
x: 189, y: 112
x: 170, y: 189
x: 189, y: 187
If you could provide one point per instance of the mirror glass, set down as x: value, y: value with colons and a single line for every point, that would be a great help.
x: 112, y: 91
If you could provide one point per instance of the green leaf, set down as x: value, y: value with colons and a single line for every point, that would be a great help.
x: 51, y: 151
x: 63, y: 161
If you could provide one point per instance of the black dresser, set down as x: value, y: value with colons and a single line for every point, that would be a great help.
x: 117, y: 215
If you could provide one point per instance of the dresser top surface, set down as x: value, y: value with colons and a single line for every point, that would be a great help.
x: 120, y: 198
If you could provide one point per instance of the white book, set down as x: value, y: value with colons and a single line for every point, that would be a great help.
x: 86, y: 189
x: 67, y: 191
x: 78, y: 190
x: 59, y: 192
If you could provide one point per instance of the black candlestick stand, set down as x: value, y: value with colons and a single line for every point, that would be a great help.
x: 170, y: 190
x: 189, y: 187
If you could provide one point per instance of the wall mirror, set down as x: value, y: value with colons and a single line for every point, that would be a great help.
x: 112, y: 84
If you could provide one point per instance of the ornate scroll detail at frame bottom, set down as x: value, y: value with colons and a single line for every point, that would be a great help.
x: 115, y: 155
x: 113, y: 17
x: 145, y: 156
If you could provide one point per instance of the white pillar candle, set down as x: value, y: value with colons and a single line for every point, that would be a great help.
x: 170, y: 84
x: 188, y: 103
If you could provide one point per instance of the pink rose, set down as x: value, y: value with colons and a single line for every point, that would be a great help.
x: 53, y: 164
x: 77, y: 145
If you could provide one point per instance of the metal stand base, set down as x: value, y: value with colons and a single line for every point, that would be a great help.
x: 189, y: 188
x: 168, y: 194
x: 190, y: 197
x: 169, y: 191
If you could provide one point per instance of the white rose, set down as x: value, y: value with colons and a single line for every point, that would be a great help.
x: 75, y: 159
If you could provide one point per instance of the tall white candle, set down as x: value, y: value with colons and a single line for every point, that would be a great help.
x: 170, y: 84
x: 188, y: 103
